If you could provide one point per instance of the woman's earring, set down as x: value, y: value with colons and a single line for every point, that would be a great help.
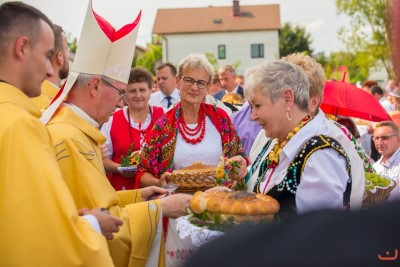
x: 288, y: 115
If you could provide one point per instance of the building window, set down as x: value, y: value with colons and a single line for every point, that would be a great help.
x: 221, y: 51
x: 257, y: 50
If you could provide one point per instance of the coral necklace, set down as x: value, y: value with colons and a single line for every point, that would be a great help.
x: 142, y: 133
x: 273, y: 156
x: 189, y: 133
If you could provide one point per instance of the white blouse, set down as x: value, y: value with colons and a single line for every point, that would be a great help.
x: 208, y: 151
x: 106, y: 129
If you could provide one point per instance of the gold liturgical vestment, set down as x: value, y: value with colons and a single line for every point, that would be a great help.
x: 49, y: 91
x: 40, y: 225
x: 77, y: 148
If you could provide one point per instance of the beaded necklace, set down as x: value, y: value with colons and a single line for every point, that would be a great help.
x: 272, y: 160
x: 187, y: 132
x: 273, y: 156
x: 142, y: 133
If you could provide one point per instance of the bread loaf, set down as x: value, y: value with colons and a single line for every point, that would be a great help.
x: 241, y: 205
x: 194, y: 177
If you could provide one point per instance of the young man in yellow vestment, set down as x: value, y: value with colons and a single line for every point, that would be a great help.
x: 40, y: 223
x: 95, y: 85
x: 60, y: 63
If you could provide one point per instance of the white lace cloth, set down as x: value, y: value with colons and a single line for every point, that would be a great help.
x: 198, y: 235
x: 183, y: 239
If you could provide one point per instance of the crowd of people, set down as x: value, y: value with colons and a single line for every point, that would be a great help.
x: 67, y: 202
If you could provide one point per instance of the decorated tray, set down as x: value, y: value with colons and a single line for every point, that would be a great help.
x: 127, y: 169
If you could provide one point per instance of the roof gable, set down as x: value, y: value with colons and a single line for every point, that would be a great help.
x: 217, y: 19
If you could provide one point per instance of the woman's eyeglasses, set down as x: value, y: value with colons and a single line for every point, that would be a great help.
x: 201, y: 84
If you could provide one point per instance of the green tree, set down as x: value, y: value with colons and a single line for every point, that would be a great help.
x: 72, y: 43
x: 213, y: 60
x: 150, y: 57
x: 358, y: 65
x: 368, y: 30
x: 294, y: 39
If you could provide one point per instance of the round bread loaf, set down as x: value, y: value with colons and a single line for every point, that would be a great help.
x: 241, y: 205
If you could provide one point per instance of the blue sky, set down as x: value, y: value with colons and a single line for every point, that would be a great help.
x: 318, y: 16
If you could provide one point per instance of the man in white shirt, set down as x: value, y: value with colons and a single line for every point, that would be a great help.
x: 167, y: 82
x: 387, y: 142
x: 377, y: 92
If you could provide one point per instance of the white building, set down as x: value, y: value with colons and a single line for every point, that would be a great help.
x: 245, y: 34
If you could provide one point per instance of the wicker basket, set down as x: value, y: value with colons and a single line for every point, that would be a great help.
x: 377, y: 195
x: 197, y: 177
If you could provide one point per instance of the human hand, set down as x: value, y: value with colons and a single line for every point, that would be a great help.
x: 108, y: 224
x: 105, y: 153
x: 151, y: 190
x: 240, y: 172
x: 163, y: 180
x: 175, y: 205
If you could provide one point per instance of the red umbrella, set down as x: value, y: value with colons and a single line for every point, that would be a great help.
x: 341, y: 98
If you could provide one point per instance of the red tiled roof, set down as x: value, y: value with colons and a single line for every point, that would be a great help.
x: 217, y: 19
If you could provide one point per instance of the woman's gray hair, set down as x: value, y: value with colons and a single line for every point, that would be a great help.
x: 195, y: 62
x: 273, y: 77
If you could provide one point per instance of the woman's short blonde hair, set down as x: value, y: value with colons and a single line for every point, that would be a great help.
x: 313, y: 70
x: 195, y: 62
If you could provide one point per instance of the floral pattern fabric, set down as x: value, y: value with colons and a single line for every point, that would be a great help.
x: 158, y: 154
x: 367, y: 161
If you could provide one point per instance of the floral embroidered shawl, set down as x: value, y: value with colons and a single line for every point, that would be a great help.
x: 158, y: 154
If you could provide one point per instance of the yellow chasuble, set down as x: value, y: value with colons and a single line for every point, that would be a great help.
x: 77, y: 149
x: 40, y: 225
x: 49, y: 91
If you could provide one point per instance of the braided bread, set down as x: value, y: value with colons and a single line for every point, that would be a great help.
x: 241, y: 205
x: 194, y: 177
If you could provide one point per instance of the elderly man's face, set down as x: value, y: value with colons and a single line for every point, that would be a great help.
x: 111, y: 97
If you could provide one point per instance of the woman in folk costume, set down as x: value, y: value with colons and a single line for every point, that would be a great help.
x: 358, y: 160
x: 191, y: 131
x: 306, y: 169
x: 95, y: 85
x: 129, y: 126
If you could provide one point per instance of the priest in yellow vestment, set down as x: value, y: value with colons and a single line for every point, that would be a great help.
x: 40, y: 225
x: 92, y: 92
x: 60, y: 63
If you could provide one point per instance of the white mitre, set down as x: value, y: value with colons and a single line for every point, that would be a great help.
x: 101, y: 51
